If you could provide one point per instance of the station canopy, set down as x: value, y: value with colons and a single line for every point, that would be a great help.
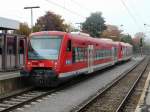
x: 8, y: 24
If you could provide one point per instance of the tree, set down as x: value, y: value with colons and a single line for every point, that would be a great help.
x: 126, y: 38
x: 138, y: 41
x: 36, y: 28
x: 138, y: 38
x: 50, y: 21
x: 70, y: 28
x: 94, y: 24
x: 23, y: 29
x: 112, y: 32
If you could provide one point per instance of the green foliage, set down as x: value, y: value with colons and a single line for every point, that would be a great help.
x: 50, y: 21
x: 70, y: 28
x: 36, y: 28
x: 23, y: 29
x: 94, y: 24
x: 126, y: 39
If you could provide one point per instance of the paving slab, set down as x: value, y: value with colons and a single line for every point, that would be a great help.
x: 144, y: 102
x: 9, y: 75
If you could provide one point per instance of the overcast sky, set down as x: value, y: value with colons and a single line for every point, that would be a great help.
x: 114, y: 11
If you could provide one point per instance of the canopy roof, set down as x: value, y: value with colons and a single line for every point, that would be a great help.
x: 8, y: 24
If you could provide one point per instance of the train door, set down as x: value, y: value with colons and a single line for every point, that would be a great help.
x: 114, y: 54
x: 90, y: 58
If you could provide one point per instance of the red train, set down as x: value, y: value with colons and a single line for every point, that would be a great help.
x: 53, y: 56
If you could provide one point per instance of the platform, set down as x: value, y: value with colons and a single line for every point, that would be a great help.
x: 11, y: 82
x: 9, y: 75
x: 144, y: 102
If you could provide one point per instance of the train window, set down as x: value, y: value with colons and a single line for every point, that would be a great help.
x: 80, y: 54
x: 102, y: 54
x: 73, y: 55
x: 85, y: 54
x: 99, y: 53
x: 75, y: 51
x: 69, y: 46
x: 76, y: 55
x: 105, y: 52
x: 95, y: 54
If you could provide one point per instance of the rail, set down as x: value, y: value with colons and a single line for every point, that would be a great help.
x: 86, y: 104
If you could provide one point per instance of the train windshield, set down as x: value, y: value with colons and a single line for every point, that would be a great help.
x: 44, y: 47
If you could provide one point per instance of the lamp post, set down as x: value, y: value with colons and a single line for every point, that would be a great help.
x: 33, y: 7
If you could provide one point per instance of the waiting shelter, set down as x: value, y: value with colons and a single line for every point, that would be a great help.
x: 12, y: 46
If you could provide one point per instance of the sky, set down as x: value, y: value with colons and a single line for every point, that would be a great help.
x: 129, y: 15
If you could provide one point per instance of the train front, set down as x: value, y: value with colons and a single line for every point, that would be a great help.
x: 42, y: 59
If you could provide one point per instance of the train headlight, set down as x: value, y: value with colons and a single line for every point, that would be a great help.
x: 55, y: 63
x: 41, y: 64
x: 29, y: 63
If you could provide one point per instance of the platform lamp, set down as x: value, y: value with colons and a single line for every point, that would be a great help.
x: 33, y: 7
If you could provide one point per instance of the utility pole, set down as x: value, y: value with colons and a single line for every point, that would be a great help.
x: 33, y: 7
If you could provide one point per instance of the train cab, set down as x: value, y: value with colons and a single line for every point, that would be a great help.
x: 43, y: 56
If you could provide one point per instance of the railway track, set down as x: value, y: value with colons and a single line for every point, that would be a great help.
x: 134, y: 98
x: 16, y: 101
x: 28, y: 96
x: 21, y: 99
x: 113, y: 97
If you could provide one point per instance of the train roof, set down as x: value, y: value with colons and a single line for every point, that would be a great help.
x: 128, y: 44
x: 88, y: 39
x: 49, y: 33
x: 107, y: 39
x: 79, y: 36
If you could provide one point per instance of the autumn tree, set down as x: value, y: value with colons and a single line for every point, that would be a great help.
x: 94, y: 24
x: 138, y: 38
x: 50, y: 21
x: 70, y: 27
x: 112, y: 32
x: 126, y: 38
x: 138, y: 41
x: 23, y: 29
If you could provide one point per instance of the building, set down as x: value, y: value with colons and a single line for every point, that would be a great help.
x: 12, y: 46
